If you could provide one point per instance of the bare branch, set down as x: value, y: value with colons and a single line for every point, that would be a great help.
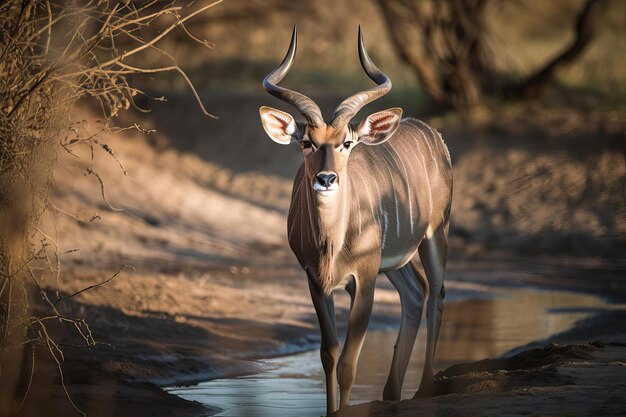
x: 157, y: 38
x: 96, y: 285
x: 104, y: 197
x: 30, y: 379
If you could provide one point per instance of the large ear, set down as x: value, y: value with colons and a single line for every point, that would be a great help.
x: 279, y: 125
x: 379, y: 127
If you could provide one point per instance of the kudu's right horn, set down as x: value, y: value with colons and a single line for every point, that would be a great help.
x: 305, y: 105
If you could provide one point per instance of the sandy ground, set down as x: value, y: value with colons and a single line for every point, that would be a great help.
x: 201, y: 217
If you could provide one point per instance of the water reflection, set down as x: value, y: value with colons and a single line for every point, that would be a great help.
x: 472, y: 329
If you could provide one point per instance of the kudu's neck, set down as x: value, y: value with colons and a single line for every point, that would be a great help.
x: 329, y: 216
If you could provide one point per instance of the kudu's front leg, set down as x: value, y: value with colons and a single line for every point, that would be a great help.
x: 362, y: 294
x: 329, y: 348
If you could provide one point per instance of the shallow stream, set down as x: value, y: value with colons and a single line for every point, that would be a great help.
x: 474, y: 327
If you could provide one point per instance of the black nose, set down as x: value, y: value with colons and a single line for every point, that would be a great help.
x: 326, y: 179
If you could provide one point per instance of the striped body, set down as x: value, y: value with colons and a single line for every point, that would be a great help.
x: 390, y: 196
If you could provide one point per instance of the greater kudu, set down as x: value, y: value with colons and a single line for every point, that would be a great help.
x: 368, y: 198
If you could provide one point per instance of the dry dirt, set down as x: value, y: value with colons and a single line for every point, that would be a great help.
x: 201, y: 216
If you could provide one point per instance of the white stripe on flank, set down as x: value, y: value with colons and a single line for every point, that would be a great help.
x: 369, y: 195
x: 380, y: 201
x: 430, y: 149
x: 408, y: 188
x: 438, y: 142
x: 408, y: 152
x: 386, y: 223
x: 395, y: 196
x: 430, y: 198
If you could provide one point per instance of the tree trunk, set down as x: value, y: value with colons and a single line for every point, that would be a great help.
x: 409, y: 55
x: 443, y: 43
x: 585, y: 29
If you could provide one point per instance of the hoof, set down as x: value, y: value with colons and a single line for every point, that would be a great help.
x: 424, y: 392
x: 391, y: 393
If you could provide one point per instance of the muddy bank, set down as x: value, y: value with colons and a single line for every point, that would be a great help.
x: 571, y: 380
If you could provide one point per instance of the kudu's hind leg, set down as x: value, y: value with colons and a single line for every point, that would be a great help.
x: 362, y: 294
x: 329, y: 348
x: 410, y: 285
x: 433, y: 253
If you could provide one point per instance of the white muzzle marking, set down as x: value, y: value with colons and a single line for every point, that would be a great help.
x: 325, y: 191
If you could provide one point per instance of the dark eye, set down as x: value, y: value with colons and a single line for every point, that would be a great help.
x: 347, y: 144
x: 306, y: 144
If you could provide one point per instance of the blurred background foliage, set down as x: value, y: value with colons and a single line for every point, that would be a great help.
x: 521, y: 36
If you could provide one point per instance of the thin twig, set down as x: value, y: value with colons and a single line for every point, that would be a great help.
x: 157, y: 38
x: 98, y: 284
x: 30, y: 379
x: 104, y: 197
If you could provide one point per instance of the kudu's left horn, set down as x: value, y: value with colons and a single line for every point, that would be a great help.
x: 350, y: 106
